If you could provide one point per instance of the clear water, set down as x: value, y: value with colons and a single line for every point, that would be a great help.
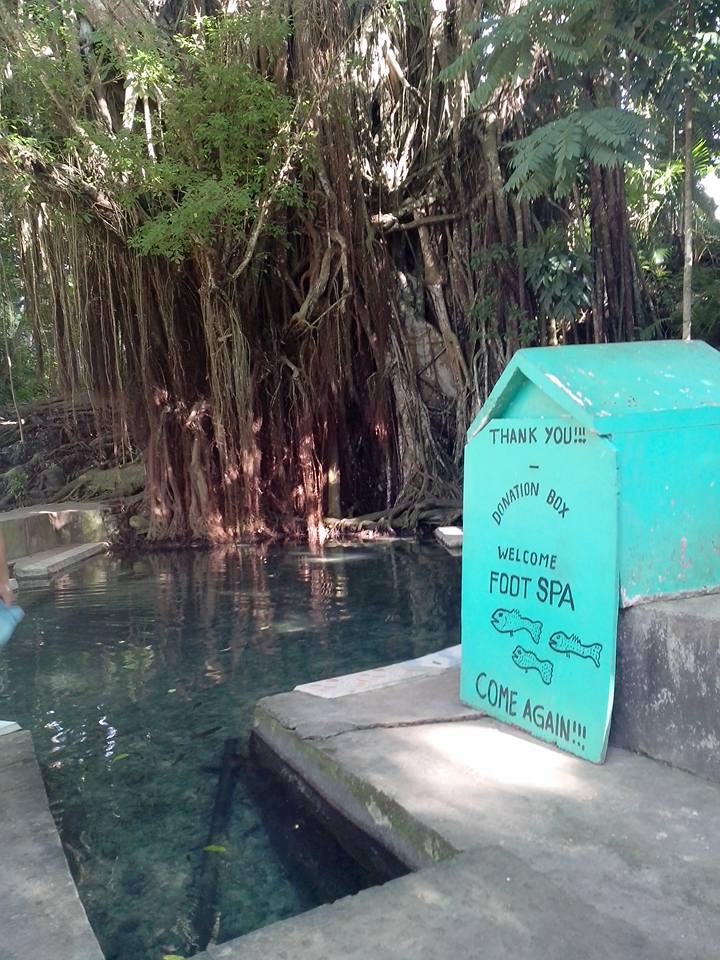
x: 131, y: 675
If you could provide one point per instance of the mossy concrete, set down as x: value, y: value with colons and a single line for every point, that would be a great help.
x: 408, y: 839
x: 556, y: 857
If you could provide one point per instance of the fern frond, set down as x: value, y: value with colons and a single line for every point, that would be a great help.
x: 467, y: 59
x: 547, y: 160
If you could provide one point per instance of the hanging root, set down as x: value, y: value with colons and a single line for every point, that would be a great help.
x: 311, y: 339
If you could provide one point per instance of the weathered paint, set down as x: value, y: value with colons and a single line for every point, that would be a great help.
x: 669, y: 510
x: 614, y: 388
x: 633, y: 432
x: 539, y: 614
x: 659, y: 404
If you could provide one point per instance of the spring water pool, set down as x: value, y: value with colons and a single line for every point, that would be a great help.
x: 132, y: 675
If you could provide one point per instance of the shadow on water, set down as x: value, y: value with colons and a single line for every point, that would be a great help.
x: 134, y: 675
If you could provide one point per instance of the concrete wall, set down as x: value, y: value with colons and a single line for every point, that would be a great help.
x: 34, y: 529
x: 667, y: 690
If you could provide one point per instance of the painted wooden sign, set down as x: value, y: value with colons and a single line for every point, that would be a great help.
x: 592, y: 480
x: 540, y: 581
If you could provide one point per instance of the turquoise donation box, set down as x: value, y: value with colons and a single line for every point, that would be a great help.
x: 592, y: 481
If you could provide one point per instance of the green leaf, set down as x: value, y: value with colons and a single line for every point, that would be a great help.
x: 214, y: 848
x: 119, y: 756
x: 549, y: 159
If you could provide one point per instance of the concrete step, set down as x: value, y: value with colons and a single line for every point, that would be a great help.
x: 40, y: 911
x: 40, y: 566
x: 382, y: 676
x: 485, y: 903
x: 451, y: 538
x: 667, y: 685
x: 558, y: 857
x: 29, y: 530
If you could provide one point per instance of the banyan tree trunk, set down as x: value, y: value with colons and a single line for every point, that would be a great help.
x: 329, y: 365
x: 618, y: 303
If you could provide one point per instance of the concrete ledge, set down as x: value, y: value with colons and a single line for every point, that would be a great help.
x: 31, y: 530
x: 451, y: 538
x: 301, y: 731
x: 370, y: 810
x: 41, y: 915
x: 667, y: 691
x: 382, y: 676
x: 487, y: 904
x: 632, y: 846
x: 49, y: 562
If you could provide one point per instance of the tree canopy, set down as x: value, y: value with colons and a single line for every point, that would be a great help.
x: 287, y: 248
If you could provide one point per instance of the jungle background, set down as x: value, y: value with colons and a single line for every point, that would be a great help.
x: 261, y: 262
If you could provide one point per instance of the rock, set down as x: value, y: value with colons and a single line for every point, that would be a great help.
x: 51, y: 479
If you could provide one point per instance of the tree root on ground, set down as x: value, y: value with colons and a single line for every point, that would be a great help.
x: 406, y: 517
x: 114, y: 483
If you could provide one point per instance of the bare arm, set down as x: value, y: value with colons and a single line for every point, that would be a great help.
x: 5, y: 591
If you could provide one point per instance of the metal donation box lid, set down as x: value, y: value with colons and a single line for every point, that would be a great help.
x: 592, y: 479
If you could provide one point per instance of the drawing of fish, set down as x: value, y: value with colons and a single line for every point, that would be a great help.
x: 526, y: 660
x: 562, y: 643
x: 512, y: 622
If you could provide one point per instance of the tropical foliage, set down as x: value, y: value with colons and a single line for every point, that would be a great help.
x: 287, y: 249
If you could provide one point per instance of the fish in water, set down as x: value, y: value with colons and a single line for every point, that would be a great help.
x: 570, y: 644
x: 527, y: 660
x: 205, y: 733
x: 512, y: 622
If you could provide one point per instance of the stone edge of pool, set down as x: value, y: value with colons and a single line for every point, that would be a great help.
x: 627, y: 854
x: 518, y: 848
x: 366, y: 680
x: 41, y: 914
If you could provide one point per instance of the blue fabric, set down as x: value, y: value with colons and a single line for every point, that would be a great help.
x: 10, y: 617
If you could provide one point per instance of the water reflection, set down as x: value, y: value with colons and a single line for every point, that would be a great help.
x: 132, y: 674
